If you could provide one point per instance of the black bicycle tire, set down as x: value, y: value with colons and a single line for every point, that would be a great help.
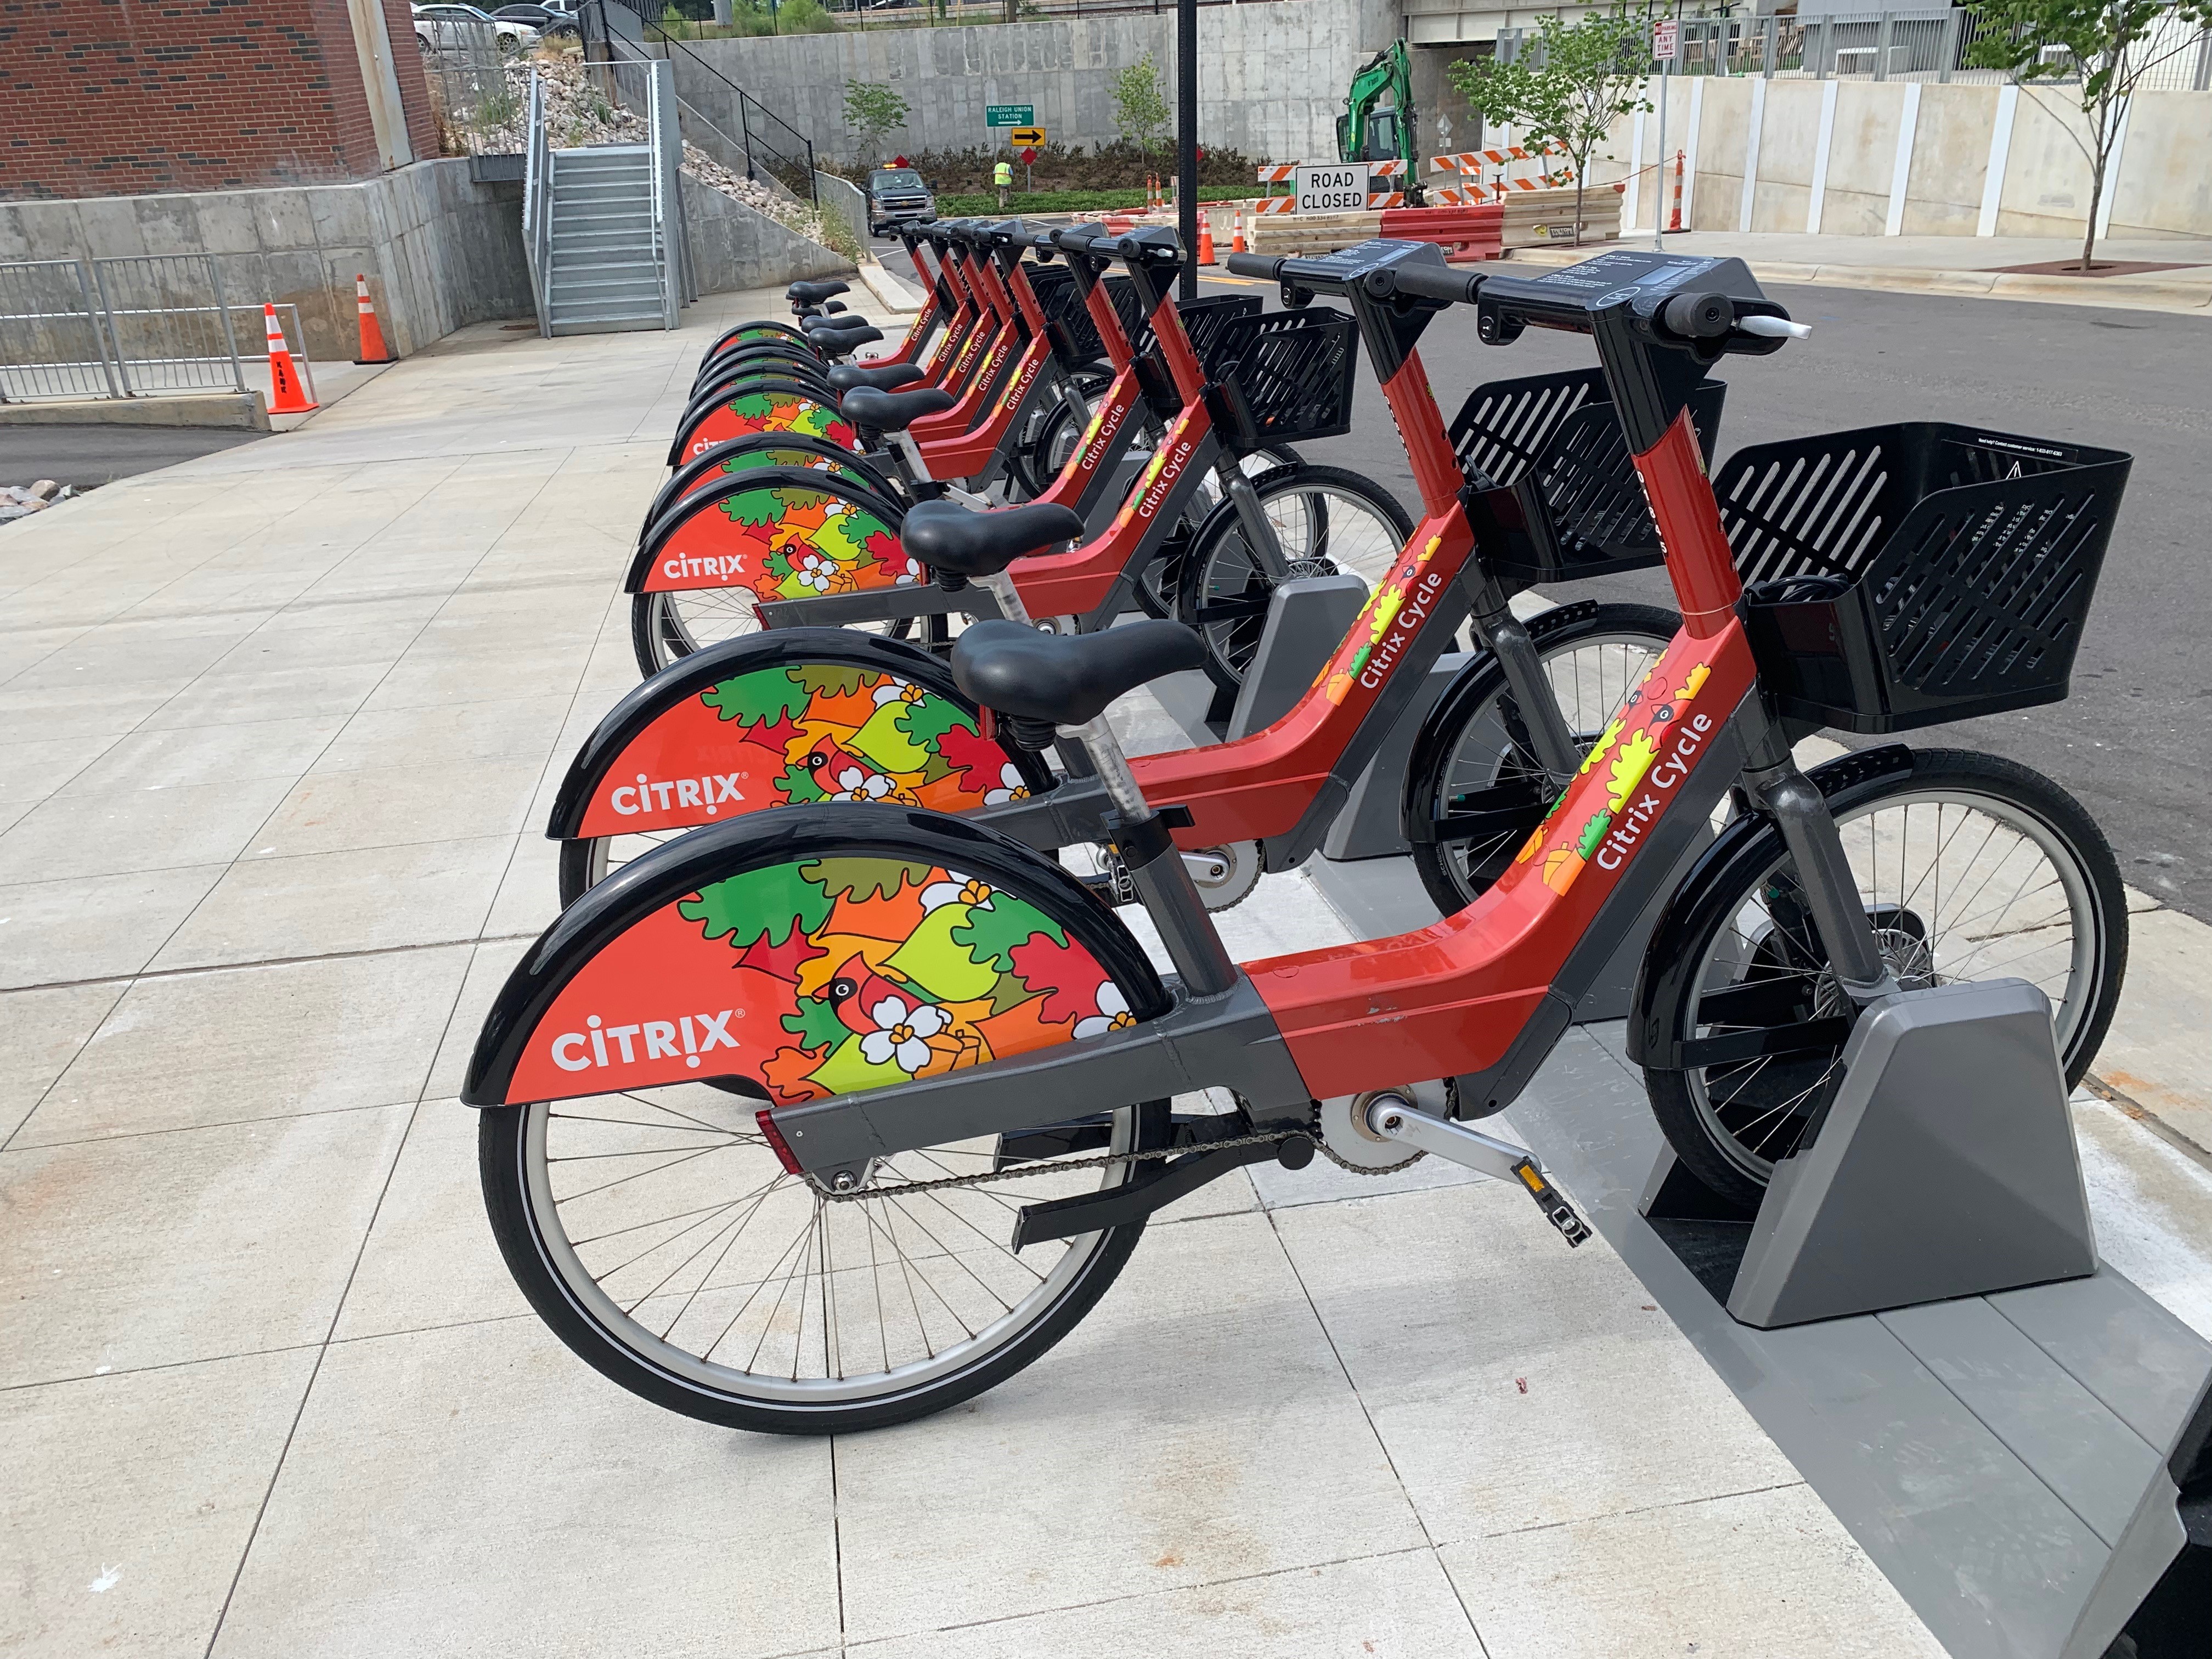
x: 1223, y: 519
x: 1477, y: 686
x: 1665, y: 989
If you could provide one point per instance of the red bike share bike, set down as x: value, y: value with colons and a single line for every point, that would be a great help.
x: 961, y: 1065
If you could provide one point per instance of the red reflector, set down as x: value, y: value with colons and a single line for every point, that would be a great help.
x: 766, y: 1118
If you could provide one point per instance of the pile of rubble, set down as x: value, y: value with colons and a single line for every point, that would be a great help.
x: 578, y: 114
x: 21, y: 501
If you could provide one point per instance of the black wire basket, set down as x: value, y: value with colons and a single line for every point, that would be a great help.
x: 1548, y: 460
x: 1282, y: 375
x: 1900, y: 576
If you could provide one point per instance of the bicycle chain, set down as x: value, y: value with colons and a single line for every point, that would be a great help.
x: 1103, y: 1161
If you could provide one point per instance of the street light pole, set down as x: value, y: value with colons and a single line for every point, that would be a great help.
x: 1187, y: 140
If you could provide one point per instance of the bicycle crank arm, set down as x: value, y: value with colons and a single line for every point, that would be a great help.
x: 1392, y: 1117
x: 1117, y: 1206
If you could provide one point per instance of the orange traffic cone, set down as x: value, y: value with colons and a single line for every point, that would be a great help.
x: 1206, y: 238
x: 373, y: 348
x: 286, y: 395
x: 1236, y: 244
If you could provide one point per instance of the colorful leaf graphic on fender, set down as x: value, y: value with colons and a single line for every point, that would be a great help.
x: 770, y: 411
x: 782, y: 542
x: 816, y: 978
x: 795, y: 734
x: 745, y: 460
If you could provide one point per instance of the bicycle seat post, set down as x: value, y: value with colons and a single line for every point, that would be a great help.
x: 1163, y: 880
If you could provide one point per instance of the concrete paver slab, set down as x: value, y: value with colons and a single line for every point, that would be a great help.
x: 1744, y: 1576
x: 321, y: 903
x: 392, y: 807
x: 61, y: 931
x: 1390, y: 1606
x: 41, y: 1033
x: 111, y: 833
x: 238, y: 692
x: 1484, y: 1352
x: 430, y: 1260
x: 126, y: 1501
x: 231, y: 1268
x: 1114, y: 1460
x: 238, y: 1045
x: 459, y: 1491
x: 32, y: 771
x: 170, y: 758
x: 496, y: 729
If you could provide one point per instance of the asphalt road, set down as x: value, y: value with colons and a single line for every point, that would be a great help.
x: 89, y: 455
x: 2134, y: 741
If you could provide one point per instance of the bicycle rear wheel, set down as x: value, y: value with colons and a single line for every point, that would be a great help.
x: 1972, y: 867
x: 659, y: 1235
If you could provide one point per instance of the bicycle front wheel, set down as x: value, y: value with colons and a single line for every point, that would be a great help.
x: 1971, y: 867
x: 1327, y: 521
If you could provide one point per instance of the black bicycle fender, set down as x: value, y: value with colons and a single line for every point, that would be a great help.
x: 1690, y: 907
x: 702, y: 470
x: 623, y: 949
x: 658, y: 535
x: 648, y: 733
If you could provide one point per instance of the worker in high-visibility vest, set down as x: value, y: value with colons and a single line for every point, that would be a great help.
x: 1002, y: 175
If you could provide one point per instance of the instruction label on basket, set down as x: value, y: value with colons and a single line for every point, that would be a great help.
x: 1331, y: 189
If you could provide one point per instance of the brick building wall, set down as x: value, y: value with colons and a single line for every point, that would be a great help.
x: 122, y: 97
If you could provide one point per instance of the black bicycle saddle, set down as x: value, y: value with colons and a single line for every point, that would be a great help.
x: 851, y: 377
x: 813, y: 293
x: 891, y: 411
x: 946, y: 536
x: 1066, y: 678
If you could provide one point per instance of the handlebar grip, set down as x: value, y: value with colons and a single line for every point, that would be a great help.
x: 1438, y: 282
x: 1698, y: 316
x: 1255, y: 264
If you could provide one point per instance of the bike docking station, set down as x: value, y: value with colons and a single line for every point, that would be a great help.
x: 2017, y: 1436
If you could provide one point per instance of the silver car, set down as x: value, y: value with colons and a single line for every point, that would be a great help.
x: 453, y: 28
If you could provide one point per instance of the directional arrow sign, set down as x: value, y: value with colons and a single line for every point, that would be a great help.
x: 1026, y: 137
x: 1009, y: 115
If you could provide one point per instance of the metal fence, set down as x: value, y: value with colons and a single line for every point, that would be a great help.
x: 478, y: 106
x: 1893, y: 45
x: 133, y: 327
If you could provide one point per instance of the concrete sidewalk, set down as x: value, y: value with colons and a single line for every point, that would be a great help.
x: 1945, y: 264
x: 278, y: 731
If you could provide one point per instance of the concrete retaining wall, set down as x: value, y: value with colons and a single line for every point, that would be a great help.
x: 734, y: 247
x: 438, y: 250
x: 1271, y: 83
x: 2162, y: 186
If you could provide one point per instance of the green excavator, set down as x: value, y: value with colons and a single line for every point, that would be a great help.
x: 1378, y: 123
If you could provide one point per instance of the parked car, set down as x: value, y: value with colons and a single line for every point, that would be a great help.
x: 548, y: 21
x: 897, y: 195
x: 454, y: 27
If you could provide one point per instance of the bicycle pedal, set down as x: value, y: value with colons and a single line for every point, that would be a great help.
x: 1556, y: 1211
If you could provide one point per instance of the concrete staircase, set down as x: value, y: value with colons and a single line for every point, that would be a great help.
x: 607, y: 271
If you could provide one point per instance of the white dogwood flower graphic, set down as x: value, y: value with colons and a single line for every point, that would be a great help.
x: 904, y: 1036
x: 962, y: 890
x: 1011, y: 786
x: 856, y: 785
x: 1113, y: 1014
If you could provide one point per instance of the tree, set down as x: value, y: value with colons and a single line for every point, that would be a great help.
x: 872, y: 110
x: 1567, y: 87
x: 1140, y: 108
x: 2110, y: 45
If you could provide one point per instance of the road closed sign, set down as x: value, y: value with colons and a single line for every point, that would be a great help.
x: 1331, y: 189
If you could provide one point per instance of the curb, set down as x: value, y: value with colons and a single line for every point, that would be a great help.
x: 892, y: 291
x: 2119, y: 293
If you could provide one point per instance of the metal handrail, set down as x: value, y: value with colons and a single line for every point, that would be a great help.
x: 748, y: 107
x: 661, y: 261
